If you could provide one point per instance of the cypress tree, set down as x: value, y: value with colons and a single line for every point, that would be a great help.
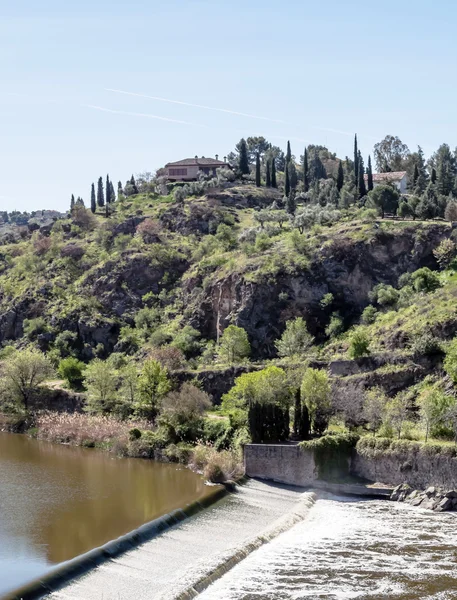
x: 361, y: 187
x: 288, y: 153
x: 286, y: 181
x: 108, y: 190
x: 340, y: 177
x: 305, y: 423
x: 133, y: 184
x: 267, y: 175
x: 72, y: 202
x: 415, y: 175
x: 79, y: 201
x: 273, y: 174
x: 305, y: 171
x: 433, y: 176
x: 243, y: 164
x: 291, y: 205
x: 120, y: 189
x: 100, y: 193
x: 356, y: 160
x: 370, y: 175
x: 93, y: 202
x: 293, y: 178
x: 113, y: 193
x: 297, y: 412
x: 257, y: 170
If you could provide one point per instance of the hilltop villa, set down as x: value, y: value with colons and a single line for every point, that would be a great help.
x: 190, y: 168
x: 397, y: 178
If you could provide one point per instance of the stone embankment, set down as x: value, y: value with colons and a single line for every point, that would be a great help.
x: 433, y: 498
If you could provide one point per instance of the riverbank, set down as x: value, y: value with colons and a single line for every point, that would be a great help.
x: 128, y: 439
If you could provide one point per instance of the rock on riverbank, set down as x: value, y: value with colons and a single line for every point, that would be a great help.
x: 433, y: 498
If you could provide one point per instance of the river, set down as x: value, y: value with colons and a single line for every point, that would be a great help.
x: 57, y: 502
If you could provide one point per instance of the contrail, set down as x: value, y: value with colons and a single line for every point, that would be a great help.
x: 224, y: 110
x: 145, y: 115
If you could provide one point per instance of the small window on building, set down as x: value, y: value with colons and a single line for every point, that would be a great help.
x: 177, y: 172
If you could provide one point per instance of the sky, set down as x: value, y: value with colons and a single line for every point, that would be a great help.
x: 96, y: 86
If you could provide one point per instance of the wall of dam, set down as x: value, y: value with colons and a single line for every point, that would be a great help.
x: 389, y: 462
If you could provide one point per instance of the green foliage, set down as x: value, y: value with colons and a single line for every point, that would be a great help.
x: 450, y: 362
x: 153, y: 385
x: 385, y: 198
x: 374, y: 407
x: 295, y: 340
x: 433, y: 405
x: 234, y: 345
x: 426, y: 344
x: 72, y: 370
x: 316, y: 395
x: 444, y: 253
x: 101, y: 381
x: 335, y: 326
x: 384, y: 295
x: 359, y: 343
x: 182, y: 413
x: 65, y: 343
x: 22, y: 374
x: 187, y: 340
x: 369, y: 315
x: 332, y: 454
x: 425, y: 280
x: 34, y: 327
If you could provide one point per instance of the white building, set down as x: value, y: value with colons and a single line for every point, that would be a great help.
x: 398, y: 178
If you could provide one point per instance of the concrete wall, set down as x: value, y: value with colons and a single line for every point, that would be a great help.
x: 418, y: 469
x: 282, y: 463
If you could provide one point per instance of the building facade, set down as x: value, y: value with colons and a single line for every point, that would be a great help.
x: 190, y: 169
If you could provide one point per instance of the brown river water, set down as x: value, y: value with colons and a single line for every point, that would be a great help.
x: 57, y: 502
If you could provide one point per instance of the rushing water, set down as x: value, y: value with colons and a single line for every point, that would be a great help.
x: 349, y: 550
x: 58, y: 502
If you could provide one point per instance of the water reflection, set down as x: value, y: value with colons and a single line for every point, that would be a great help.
x: 58, y: 502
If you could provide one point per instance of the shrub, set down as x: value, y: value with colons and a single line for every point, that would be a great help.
x: 149, y: 231
x: 316, y: 394
x: 65, y: 343
x: 444, y: 253
x: 426, y: 345
x: 182, y: 412
x: 359, y: 343
x: 71, y: 369
x: 169, y: 357
x: 295, y: 340
x: 450, y: 362
x: 216, y: 466
x: 425, y: 280
x: 34, y: 327
x: 335, y: 327
x: 384, y: 295
x: 369, y: 315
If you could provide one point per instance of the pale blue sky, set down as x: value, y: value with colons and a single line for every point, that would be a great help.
x: 325, y: 69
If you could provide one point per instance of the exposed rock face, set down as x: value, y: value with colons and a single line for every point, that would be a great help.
x: 436, y: 499
x: 346, y: 268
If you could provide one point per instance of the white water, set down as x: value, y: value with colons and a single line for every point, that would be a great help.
x: 171, y: 563
x: 347, y: 550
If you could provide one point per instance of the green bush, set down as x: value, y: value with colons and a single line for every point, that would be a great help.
x: 426, y: 345
x: 369, y: 315
x: 72, y: 370
x: 359, y: 343
x: 34, y: 327
x: 332, y: 454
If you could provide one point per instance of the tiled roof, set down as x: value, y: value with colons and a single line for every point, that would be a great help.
x: 392, y: 176
x: 199, y: 162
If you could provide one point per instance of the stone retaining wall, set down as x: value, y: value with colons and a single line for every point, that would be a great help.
x: 284, y: 463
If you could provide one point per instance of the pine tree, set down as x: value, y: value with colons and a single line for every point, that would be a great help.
x: 72, y: 202
x: 286, y: 181
x: 356, y: 160
x: 113, y: 193
x: 273, y: 174
x: 421, y: 182
x: 433, y: 176
x: 291, y: 205
x: 243, y: 163
x: 100, y: 193
x: 108, y: 190
x: 361, y: 187
x: 305, y: 171
x: 370, y: 175
x: 288, y: 153
x: 267, y: 175
x: 120, y: 189
x: 93, y: 202
x: 257, y: 170
x: 340, y: 177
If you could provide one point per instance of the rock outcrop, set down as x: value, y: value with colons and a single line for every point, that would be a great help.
x: 433, y: 498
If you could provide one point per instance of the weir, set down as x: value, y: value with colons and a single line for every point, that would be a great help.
x: 180, y: 559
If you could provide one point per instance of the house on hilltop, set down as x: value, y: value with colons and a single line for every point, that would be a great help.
x: 397, y: 178
x: 189, y: 169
